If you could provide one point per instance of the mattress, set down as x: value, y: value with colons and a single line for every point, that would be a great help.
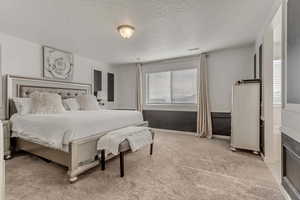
x: 58, y: 130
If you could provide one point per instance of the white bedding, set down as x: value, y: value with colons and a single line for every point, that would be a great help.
x: 58, y: 130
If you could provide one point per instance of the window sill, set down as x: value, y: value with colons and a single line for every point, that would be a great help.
x: 172, y: 104
x: 171, y: 107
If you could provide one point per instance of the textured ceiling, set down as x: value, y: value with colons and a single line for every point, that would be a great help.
x: 164, y: 28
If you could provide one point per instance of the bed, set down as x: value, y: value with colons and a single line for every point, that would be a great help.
x: 69, y: 138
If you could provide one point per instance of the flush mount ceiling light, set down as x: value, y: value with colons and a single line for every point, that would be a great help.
x: 126, y: 31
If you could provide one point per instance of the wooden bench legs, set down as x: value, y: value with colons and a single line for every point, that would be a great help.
x: 102, y: 160
x: 121, y: 164
x: 151, y: 149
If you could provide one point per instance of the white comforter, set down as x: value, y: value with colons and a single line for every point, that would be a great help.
x: 58, y: 130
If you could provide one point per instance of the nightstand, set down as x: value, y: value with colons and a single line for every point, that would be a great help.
x: 6, y: 134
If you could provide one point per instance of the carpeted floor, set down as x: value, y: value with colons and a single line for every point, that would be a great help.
x: 182, y: 167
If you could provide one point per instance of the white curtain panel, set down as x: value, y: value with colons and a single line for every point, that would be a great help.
x: 204, y: 124
x: 139, y: 87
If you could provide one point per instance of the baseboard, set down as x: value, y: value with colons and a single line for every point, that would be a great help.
x: 223, y: 137
x: 173, y: 131
x: 284, y: 193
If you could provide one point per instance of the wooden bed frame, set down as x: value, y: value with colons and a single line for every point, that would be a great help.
x: 82, y: 153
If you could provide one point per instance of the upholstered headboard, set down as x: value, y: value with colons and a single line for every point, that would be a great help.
x: 23, y: 86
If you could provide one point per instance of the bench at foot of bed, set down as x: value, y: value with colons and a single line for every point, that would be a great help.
x: 123, y: 147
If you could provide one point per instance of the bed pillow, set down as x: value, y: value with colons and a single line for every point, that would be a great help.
x: 23, y: 105
x: 87, y: 102
x: 46, y: 103
x: 71, y: 104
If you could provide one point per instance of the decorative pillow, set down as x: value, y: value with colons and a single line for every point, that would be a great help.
x: 87, y: 102
x: 23, y: 105
x: 71, y: 104
x: 46, y: 103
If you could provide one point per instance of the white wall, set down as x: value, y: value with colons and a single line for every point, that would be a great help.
x: 225, y: 67
x: 268, y: 43
x: 24, y: 58
x: 126, y: 96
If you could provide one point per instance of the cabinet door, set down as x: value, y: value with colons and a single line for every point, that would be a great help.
x: 245, y: 116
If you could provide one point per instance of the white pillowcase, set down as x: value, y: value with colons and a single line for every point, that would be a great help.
x: 23, y: 105
x: 71, y: 104
x: 88, y: 102
x: 46, y: 103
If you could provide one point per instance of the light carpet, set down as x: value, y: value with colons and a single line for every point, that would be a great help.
x: 182, y: 167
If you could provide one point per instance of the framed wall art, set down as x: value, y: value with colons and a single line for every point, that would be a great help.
x: 58, y: 64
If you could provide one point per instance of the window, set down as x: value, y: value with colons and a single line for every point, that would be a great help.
x: 172, y: 87
x: 159, y: 88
